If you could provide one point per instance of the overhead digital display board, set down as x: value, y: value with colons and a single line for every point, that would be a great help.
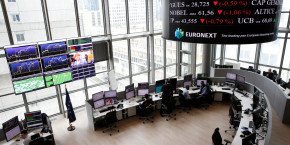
x: 221, y: 21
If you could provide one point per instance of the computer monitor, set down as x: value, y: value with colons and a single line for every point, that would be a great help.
x: 231, y: 76
x: 240, y: 86
x: 249, y: 140
x: 265, y: 73
x: 98, y: 96
x: 240, y: 79
x: 99, y: 103
x: 158, y: 89
x: 110, y: 94
x: 201, y: 75
x: 187, y: 78
x: 11, y: 128
x: 228, y: 66
x: 288, y: 85
x: 160, y: 83
x: 130, y: 91
x: 187, y: 83
x: 111, y: 101
x: 173, y: 82
x: 144, y: 85
x: 33, y: 120
x: 198, y: 82
x: 142, y: 92
x: 217, y: 66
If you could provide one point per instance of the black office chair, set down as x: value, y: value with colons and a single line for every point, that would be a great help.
x: 184, y: 104
x: 110, y: 120
x: 236, y: 103
x: 35, y: 136
x: 233, y: 121
x: 217, y: 139
x: 166, y: 110
x: 147, y: 113
x: 206, y: 100
x: 38, y: 141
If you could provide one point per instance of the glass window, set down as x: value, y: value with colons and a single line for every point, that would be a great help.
x: 198, y: 69
x: 5, y: 116
x: 26, y: 20
x: 231, y: 51
x: 157, y: 14
x: 122, y: 84
x: 286, y: 62
x: 62, y: 18
x: 286, y: 5
x: 97, y: 89
x: 77, y: 99
x: 283, y: 20
x: 247, y: 52
x: 101, y: 66
x: 218, y: 61
x: 186, y: 46
x: 117, y: 17
x: 159, y: 74
x: 91, y: 17
x: 271, y: 52
x: 218, y: 51
x: 40, y: 94
x: 121, y: 63
x: 170, y: 71
x: 139, y: 55
x: 75, y: 85
x: 99, y: 78
x: 265, y: 68
x: 10, y: 101
x: 246, y: 65
x: 137, y: 15
x: 6, y: 86
x: 140, y: 78
x: 185, y: 69
x: 285, y: 75
x: 3, y: 31
x: 158, y: 51
x: 186, y: 58
x: 199, y: 51
x: 50, y: 107
x: 170, y: 52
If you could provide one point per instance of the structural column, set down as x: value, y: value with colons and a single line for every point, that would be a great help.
x: 206, y: 58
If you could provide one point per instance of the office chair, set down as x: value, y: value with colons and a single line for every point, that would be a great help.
x: 206, y: 101
x: 233, y: 121
x: 236, y: 104
x: 38, y: 141
x: 184, y: 104
x: 217, y: 139
x: 166, y: 110
x: 146, y: 113
x: 110, y: 120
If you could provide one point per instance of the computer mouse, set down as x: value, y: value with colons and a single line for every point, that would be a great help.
x: 156, y: 95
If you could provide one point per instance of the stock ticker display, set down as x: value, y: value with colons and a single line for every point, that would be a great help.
x: 50, y: 63
x: 221, y: 21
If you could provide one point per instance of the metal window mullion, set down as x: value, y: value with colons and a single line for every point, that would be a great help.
x: 58, y: 100
x: 222, y: 54
x: 59, y: 94
x: 130, y: 60
x: 151, y: 22
x: 86, y: 89
x: 147, y: 15
x: 46, y: 19
x: 257, y: 57
x: 77, y: 17
x: 7, y: 22
x: 164, y: 57
x: 151, y: 41
x: 238, y: 53
x: 178, y: 59
x: 193, y: 59
x: 104, y: 17
x: 148, y: 60
x: 127, y: 16
x: 283, y: 55
x: 25, y: 102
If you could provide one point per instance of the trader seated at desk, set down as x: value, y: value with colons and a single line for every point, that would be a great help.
x: 26, y: 136
x: 201, y: 94
x: 167, y: 92
x: 185, y: 92
x: 146, y: 104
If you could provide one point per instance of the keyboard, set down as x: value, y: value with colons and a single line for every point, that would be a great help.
x: 226, y: 88
x: 104, y: 110
x: 240, y: 92
x: 195, y: 89
x: 141, y: 100
x: 251, y: 124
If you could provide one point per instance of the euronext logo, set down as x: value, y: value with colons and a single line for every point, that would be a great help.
x: 179, y: 33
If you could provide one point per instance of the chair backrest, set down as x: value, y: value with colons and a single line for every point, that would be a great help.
x: 38, y: 141
x: 35, y: 136
x: 231, y: 112
x: 111, y: 117
x: 216, y: 138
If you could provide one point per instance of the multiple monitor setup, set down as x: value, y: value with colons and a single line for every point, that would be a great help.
x: 235, y: 80
x: 12, y: 128
x: 45, y: 64
x: 143, y: 89
x: 106, y: 98
x: 251, y: 69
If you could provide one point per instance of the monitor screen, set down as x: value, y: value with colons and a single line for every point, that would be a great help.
x: 33, y: 120
x: 187, y: 83
x: 111, y: 101
x: 158, y: 89
x: 198, y: 83
x: 25, y: 68
x: 81, y: 58
x: 27, y: 85
x: 130, y: 91
x: 11, y: 128
x: 81, y: 48
x: 231, y: 76
x: 99, y: 103
x: 173, y: 82
x: 52, y: 48
x: 78, y: 41
x: 288, y: 85
x: 240, y: 79
x: 98, y: 96
x: 160, y: 83
x: 21, y: 53
x: 57, y: 79
x: 142, y: 92
x: 54, y: 63
x: 187, y: 78
x: 144, y: 85
x: 110, y: 94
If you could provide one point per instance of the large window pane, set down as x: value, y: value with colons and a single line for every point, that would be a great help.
x: 62, y: 18
x: 75, y: 85
x: 271, y: 52
x: 218, y: 51
x: 139, y: 55
x: 120, y: 53
x: 285, y: 75
x: 170, y: 52
x: 5, y: 116
x: 157, y: 14
x: 122, y: 84
x: 50, y: 107
x: 117, y: 17
x: 6, y: 86
x: 91, y: 17
x: 159, y: 74
x: 247, y: 52
x: 137, y: 15
x: 97, y: 89
x: 231, y: 51
x: 286, y: 5
x: 185, y: 70
x: 199, y: 51
x: 170, y: 71
x: 99, y: 78
x: 26, y: 20
x: 77, y: 99
x: 3, y: 31
x: 283, y: 20
x: 286, y: 62
x: 198, y: 69
x: 158, y: 51
x: 186, y: 58
x: 265, y: 68
x: 40, y: 94
x: 140, y: 78
x: 246, y: 65
x: 101, y: 66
